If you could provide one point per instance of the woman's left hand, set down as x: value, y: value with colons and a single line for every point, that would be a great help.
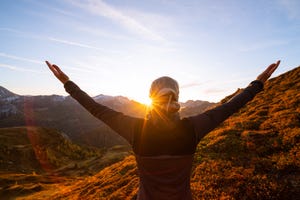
x: 263, y: 77
x: 60, y: 75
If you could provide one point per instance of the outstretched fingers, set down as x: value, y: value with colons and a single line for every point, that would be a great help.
x: 52, y: 67
x: 57, y: 68
x: 268, y: 72
x: 60, y: 75
x: 272, y: 68
x: 48, y: 63
x: 275, y: 65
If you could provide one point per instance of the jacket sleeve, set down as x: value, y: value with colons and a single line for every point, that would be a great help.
x: 207, y: 121
x: 124, y: 125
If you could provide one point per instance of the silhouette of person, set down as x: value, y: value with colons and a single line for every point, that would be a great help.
x: 163, y: 143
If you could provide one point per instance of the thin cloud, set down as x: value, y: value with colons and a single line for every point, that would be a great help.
x: 71, y: 43
x: 72, y: 20
x: 238, y: 80
x: 57, y: 40
x: 20, y: 33
x: 57, y: 10
x: 78, y: 44
x: 213, y: 82
x: 103, y: 9
x: 11, y: 30
x: 263, y: 45
x: 189, y: 85
x: 15, y: 68
x: 214, y: 91
x: 101, y: 33
x: 79, y: 69
x: 20, y: 58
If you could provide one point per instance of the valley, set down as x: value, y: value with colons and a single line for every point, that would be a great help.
x: 255, y: 154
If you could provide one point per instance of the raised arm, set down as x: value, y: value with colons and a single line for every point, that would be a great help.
x: 122, y: 124
x: 207, y: 121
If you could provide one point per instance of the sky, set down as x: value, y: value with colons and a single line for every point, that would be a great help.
x: 118, y: 47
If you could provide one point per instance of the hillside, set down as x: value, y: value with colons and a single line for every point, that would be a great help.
x: 255, y: 154
x: 6, y: 95
x: 190, y: 107
x: 66, y: 115
x: 34, y: 149
x: 34, y: 158
x: 63, y: 114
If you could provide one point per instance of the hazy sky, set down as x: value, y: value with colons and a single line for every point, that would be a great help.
x: 119, y: 47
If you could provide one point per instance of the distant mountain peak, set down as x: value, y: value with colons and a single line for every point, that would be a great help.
x: 5, y: 92
x: 6, y: 95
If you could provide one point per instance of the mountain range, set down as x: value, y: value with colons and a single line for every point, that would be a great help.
x: 255, y: 154
x: 66, y: 115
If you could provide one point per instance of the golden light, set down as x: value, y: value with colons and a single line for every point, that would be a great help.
x: 148, y: 102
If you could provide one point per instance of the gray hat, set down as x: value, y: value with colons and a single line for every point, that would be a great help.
x: 163, y: 86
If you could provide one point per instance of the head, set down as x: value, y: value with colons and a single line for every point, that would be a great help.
x: 164, y: 93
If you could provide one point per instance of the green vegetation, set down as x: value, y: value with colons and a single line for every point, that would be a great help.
x: 35, y: 159
x: 255, y: 154
x: 28, y: 149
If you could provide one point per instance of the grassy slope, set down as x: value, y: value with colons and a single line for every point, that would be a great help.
x: 28, y: 149
x: 255, y: 154
x: 36, y: 159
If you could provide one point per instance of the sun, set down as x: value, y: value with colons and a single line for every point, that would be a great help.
x: 147, y: 101
x: 139, y: 95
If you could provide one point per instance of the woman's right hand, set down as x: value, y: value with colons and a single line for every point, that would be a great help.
x: 60, y: 75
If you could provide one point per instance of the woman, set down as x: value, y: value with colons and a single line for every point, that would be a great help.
x: 163, y: 143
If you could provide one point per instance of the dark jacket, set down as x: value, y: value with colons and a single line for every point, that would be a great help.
x: 164, y: 154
